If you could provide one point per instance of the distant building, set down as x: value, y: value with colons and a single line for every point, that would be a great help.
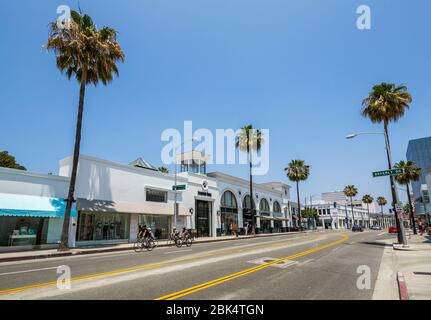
x: 419, y: 151
x: 334, y: 196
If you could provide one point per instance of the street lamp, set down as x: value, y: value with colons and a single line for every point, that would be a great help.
x: 400, y: 226
x: 175, y: 186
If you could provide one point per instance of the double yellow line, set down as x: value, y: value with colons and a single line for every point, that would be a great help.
x: 242, y: 273
x: 138, y: 268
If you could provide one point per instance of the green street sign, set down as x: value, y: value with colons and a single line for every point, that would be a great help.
x: 385, y: 173
x: 179, y: 187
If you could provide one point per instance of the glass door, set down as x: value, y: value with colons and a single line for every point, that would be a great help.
x: 203, y: 215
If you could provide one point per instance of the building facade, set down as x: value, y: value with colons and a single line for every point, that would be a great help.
x: 419, y: 151
x: 113, y: 199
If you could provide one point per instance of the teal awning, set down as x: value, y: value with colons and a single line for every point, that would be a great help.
x: 32, y: 206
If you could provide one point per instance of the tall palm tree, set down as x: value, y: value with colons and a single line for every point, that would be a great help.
x: 351, y: 191
x: 388, y: 103
x: 381, y: 201
x: 89, y: 55
x: 410, y: 173
x: 298, y: 171
x: 368, y: 199
x: 249, y: 140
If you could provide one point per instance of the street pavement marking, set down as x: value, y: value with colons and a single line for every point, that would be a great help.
x: 242, y: 273
x: 138, y: 268
x: 178, y: 251
x: 380, y: 234
x: 26, y: 271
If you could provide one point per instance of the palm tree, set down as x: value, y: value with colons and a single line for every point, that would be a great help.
x: 298, y: 171
x: 163, y: 169
x: 368, y: 199
x: 388, y: 103
x: 351, y: 191
x: 249, y: 140
x: 89, y: 55
x: 410, y: 173
x: 381, y: 201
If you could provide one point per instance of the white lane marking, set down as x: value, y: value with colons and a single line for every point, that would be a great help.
x: 26, y: 271
x: 178, y: 251
x: 335, y: 249
x: 380, y: 234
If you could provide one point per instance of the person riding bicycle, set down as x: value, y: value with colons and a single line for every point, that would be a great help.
x: 144, y: 232
x: 184, y: 233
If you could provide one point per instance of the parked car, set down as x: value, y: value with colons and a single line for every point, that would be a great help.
x: 393, y: 230
x: 357, y: 229
x: 376, y: 227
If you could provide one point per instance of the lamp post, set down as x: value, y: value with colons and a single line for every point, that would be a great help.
x: 400, y: 226
x: 175, y: 178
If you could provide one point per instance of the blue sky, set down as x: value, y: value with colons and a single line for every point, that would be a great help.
x: 299, y: 68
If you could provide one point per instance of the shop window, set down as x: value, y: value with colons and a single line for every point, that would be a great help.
x: 156, y: 195
x: 103, y: 226
x: 160, y: 225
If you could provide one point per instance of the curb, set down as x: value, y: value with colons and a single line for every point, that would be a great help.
x: 402, y: 287
x: 93, y: 251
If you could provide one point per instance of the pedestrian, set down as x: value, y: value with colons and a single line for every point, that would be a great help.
x: 421, y: 228
x: 235, y: 229
x: 246, y: 228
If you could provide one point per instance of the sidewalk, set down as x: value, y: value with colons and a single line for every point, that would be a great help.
x: 53, y: 253
x: 415, y: 265
x: 405, y: 273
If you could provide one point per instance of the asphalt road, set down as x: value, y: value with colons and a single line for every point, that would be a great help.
x: 321, y: 265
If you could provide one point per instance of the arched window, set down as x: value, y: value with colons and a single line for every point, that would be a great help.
x: 228, y: 201
x: 277, y: 207
x: 264, y: 206
x: 246, y: 202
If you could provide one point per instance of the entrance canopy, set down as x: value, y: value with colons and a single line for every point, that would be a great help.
x: 32, y: 206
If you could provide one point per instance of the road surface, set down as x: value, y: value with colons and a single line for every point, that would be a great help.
x: 319, y: 265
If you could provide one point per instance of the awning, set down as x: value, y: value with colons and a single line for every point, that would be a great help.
x: 145, y: 207
x: 32, y: 206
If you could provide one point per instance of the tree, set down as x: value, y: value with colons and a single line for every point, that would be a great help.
x: 381, y: 201
x: 310, y: 213
x: 388, y: 103
x: 89, y: 55
x: 410, y: 173
x: 298, y: 171
x: 351, y: 191
x: 249, y: 140
x: 8, y: 161
x: 368, y: 199
x: 163, y: 169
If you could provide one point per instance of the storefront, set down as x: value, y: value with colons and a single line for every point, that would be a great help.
x: 160, y: 225
x: 107, y: 227
x: 30, y: 222
x: 265, y: 217
x: 278, y: 215
x: 228, y: 213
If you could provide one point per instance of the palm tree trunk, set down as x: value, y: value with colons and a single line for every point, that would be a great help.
x: 412, y: 216
x: 398, y: 223
x: 64, y: 244
x: 383, y: 219
x: 299, y: 205
x: 353, y: 216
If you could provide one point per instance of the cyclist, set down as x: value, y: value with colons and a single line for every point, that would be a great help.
x: 184, y: 233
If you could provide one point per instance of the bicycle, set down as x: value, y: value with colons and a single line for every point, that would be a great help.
x: 147, y: 243
x: 187, y: 240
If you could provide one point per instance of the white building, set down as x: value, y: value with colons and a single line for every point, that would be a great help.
x: 113, y: 199
x: 339, y: 216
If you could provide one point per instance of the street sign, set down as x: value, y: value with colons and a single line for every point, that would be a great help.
x: 399, y: 207
x: 179, y: 187
x: 384, y: 173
